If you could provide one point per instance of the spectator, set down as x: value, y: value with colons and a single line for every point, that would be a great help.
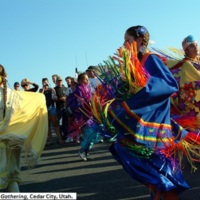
x: 68, y: 81
x: 50, y: 96
x: 16, y: 86
x: 25, y: 83
x: 93, y: 80
x: 61, y: 106
x: 69, y: 96
x: 54, y: 77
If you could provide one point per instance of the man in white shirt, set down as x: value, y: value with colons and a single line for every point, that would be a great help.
x: 94, y: 81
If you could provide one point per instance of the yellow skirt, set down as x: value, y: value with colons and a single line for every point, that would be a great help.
x: 23, y: 131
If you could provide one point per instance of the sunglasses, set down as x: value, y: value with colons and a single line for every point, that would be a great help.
x: 16, y: 85
x: 25, y: 85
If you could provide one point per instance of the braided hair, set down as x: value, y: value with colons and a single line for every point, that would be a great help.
x: 3, y: 82
x: 142, y: 32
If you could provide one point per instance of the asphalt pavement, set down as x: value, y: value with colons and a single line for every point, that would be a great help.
x: 61, y: 170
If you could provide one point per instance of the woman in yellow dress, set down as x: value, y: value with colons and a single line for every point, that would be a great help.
x: 23, y: 131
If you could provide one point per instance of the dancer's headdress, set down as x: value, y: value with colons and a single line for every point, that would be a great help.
x: 187, y: 41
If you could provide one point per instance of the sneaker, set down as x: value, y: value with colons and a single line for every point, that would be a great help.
x: 113, y: 139
x: 82, y: 156
x: 78, y: 139
x: 101, y: 141
x: 88, y: 156
x: 68, y: 140
x: 91, y: 145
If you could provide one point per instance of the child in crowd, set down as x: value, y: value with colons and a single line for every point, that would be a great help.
x: 80, y: 100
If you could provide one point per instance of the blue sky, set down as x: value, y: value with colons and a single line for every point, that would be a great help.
x: 39, y: 38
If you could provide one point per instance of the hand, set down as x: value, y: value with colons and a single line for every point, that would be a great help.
x: 80, y: 100
x: 54, y: 97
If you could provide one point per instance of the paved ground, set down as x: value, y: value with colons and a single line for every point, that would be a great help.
x: 61, y: 170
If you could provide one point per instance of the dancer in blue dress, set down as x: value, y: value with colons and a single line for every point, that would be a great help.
x: 133, y: 102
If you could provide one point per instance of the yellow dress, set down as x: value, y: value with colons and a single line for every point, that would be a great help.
x: 187, y: 100
x: 23, y: 132
x: 185, y: 104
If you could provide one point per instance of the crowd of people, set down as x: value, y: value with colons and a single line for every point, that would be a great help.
x: 148, y: 102
x: 63, y: 105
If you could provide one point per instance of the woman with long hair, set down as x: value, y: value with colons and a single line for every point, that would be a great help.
x: 23, y: 129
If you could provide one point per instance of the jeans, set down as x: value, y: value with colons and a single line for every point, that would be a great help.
x: 63, y: 121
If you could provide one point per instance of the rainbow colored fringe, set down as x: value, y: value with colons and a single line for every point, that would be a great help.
x: 121, y: 77
x: 188, y: 147
x: 190, y: 123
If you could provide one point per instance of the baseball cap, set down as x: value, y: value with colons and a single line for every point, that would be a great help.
x: 16, y: 84
x: 59, y: 78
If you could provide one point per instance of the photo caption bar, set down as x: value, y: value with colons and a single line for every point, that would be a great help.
x: 38, y: 196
